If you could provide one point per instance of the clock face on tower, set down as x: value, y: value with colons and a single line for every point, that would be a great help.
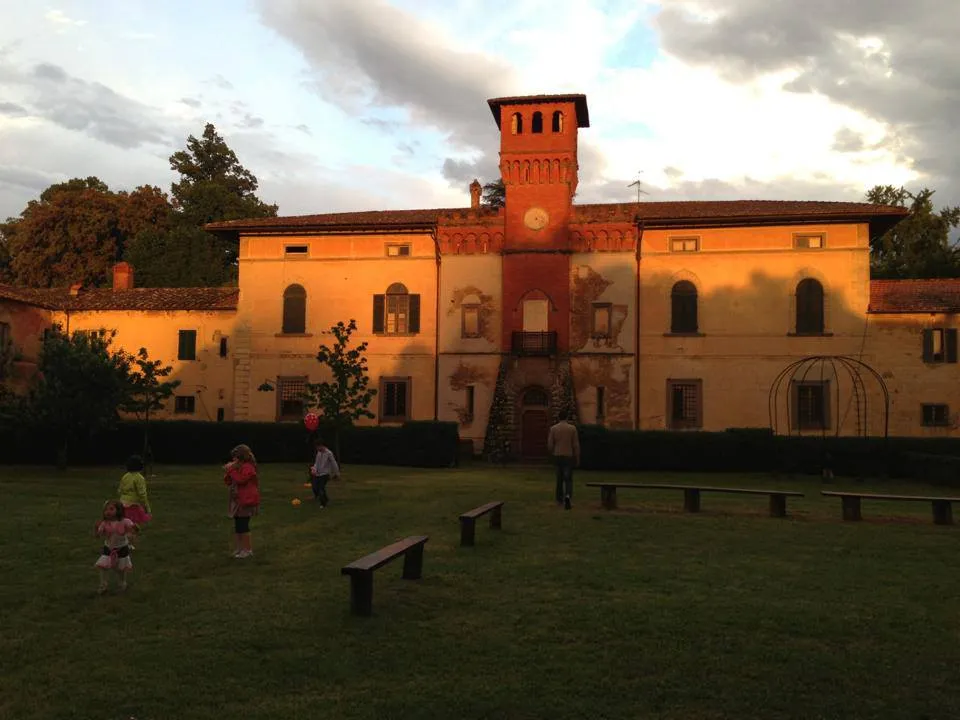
x: 536, y: 218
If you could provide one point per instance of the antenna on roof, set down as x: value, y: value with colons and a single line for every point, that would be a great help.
x: 636, y: 183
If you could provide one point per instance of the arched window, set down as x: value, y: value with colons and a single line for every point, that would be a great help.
x: 396, y: 312
x: 516, y: 123
x: 809, y: 307
x: 294, y: 310
x: 537, y: 125
x: 683, y: 306
x: 557, y: 121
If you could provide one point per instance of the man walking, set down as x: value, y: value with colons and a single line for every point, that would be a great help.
x: 563, y: 443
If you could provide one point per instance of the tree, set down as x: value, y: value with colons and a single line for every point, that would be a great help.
x: 347, y: 397
x: 181, y: 257
x: 77, y: 230
x: 918, y: 246
x: 494, y: 194
x: 147, y: 391
x: 81, y: 385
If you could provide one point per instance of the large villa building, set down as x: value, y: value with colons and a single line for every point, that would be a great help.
x: 651, y: 315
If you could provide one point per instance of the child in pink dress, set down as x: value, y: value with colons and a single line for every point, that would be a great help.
x: 116, y: 531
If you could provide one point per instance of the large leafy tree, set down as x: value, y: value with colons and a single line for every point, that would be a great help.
x: 82, y: 382
x: 918, y: 246
x: 346, y: 397
x: 75, y: 231
x: 181, y: 257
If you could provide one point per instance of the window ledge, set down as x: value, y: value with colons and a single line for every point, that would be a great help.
x: 393, y: 420
x: 811, y: 334
x: 386, y: 334
x: 293, y: 335
x: 684, y: 334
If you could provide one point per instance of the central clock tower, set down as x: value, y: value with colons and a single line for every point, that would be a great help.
x: 538, y: 165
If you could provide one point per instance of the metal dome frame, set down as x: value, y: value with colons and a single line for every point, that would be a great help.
x: 855, y: 368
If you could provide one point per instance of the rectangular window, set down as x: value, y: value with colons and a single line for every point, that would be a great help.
x: 687, y: 244
x: 684, y: 404
x: 809, y: 242
x: 394, y: 399
x: 601, y: 320
x: 601, y: 404
x: 4, y: 335
x: 471, y: 321
x: 398, y: 250
x: 469, y: 404
x: 223, y: 347
x: 940, y: 345
x: 185, y: 404
x: 297, y: 250
x: 187, y: 349
x: 811, y: 405
x: 935, y: 415
x: 290, y: 397
x: 220, y: 414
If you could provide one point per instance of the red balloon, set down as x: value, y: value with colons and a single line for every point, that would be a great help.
x: 311, y: 421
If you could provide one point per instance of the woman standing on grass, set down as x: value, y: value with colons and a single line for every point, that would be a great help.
x: 240, y: 475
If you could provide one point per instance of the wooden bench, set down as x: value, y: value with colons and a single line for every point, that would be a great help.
x: 691, y: 495
x: 850, y: 504
x: 468, y: 520
x: 361, y: 571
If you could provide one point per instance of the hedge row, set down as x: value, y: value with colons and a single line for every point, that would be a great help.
x: 418, y: 444
x: 759, y: 450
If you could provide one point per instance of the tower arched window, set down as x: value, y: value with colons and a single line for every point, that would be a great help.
x: 683, y: 307
x: 537, y: 125
x: 557, y: 126
x: 294, y: 310
x: 809, y: 307
x: 516, y: 123
x: 397, y: 311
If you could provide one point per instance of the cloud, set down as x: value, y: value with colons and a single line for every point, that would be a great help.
x: 57, y: 17
x: 51, y: 93
x: 303, y: 128
x: 895, y: 63
x: 219, y: 81
x: 191, y: 102
x: 12, y: 109
x: 250, y: 121
x: 22, y: 177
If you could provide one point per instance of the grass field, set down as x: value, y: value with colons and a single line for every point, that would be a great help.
x: 646, y: 612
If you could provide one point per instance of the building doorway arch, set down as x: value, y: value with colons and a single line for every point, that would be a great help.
x: 534, y: 422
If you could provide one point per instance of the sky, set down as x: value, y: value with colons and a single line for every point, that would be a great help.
x: 339, y: 105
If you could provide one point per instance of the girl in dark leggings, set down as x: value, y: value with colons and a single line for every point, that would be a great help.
x: 240, y: 475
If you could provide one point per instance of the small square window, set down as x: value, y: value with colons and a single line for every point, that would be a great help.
x: 809, y: 242
x: 290, y: 397
x: 394, y: 399
x: 220, y: 414
x: 811, y: 405
x: 223, y: 347
x: 398, y: 250
x: 185, y: 404
x: 297, y: 250
x: 935, y: 415
x: 684, y: 404
x: 689, y: 244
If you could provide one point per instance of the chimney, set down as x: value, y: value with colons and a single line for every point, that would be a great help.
x: 122, y: 276
x: 75, y: 289
x: 476, y: 190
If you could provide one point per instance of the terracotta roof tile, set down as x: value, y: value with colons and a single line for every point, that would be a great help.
x: 221, y: 298
x: 915, y: 296
x: 654, y: 213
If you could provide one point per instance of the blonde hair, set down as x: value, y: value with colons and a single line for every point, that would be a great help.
x: 244, y: 454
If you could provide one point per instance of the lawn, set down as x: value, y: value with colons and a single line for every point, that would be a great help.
x: 645, y: 612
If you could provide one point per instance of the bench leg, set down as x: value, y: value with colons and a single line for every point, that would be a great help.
x: 495, y: 521
x: 413, y: 563
x: 943, y: 512
x: 467, y: 526
x: 851, y: 508
x: 778, y: 505
x: 691, y: 500
x: 608, y: 497
x: 361, y: 593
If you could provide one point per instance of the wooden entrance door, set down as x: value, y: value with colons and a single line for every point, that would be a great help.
x: 533, y: 433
